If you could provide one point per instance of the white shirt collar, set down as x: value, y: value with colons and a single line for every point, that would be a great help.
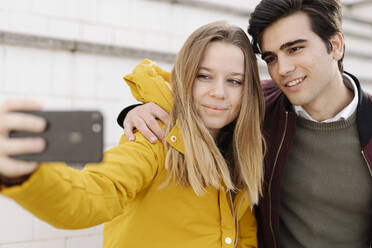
x: 342, y: 115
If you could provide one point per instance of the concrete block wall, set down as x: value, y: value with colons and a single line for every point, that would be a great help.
x: 62, y: 81
x: 74, y: 79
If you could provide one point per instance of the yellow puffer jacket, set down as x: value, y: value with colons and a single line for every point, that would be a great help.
x: 124, y: 193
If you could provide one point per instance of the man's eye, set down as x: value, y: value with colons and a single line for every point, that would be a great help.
x: 294, y: 49
x: 269, y: 60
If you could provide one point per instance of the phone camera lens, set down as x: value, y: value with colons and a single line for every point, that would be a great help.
x: 75, y: 137
x: 96, y: 127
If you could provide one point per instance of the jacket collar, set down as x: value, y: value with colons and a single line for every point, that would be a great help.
x: 364, y: 114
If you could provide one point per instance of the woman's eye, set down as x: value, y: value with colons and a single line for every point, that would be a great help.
x: 202, y: 76
x: 236, y: 82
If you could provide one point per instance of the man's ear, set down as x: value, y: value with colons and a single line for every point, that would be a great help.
x: 337, y: 41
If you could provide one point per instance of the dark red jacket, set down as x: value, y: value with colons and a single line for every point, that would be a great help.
x: 279, y: 129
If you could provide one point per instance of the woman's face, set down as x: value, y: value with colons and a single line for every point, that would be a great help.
x: 218, y: 86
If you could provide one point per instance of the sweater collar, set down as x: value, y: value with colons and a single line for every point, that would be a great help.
x: 364, y: 112
x: 344, y: 114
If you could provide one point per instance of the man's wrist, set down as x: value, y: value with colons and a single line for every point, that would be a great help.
x: 124, y: 113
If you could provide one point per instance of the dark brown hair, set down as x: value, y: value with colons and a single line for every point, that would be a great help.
x: 325, y: 17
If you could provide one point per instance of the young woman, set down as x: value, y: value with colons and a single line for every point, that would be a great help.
x: 196, y: 189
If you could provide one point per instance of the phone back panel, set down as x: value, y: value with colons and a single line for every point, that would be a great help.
x: 71, y: 136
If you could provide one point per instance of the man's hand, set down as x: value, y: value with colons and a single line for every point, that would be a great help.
x: 144, y: 118
x: 9, y: 120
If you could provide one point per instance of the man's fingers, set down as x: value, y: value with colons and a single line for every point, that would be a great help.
x: 16, y: 146
x: 135, y: 120
x: 128, y: 130
x: 13, y: 168
x: 141, y: 126
x: 161, y: 114
x: 154, y: 127
x: 152, y: 112
x: 143, y: 118
x: 145, y: 131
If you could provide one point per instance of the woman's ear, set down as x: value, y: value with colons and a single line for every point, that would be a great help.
x: 337, y: 41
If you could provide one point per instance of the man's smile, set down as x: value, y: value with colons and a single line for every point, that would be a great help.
x: 295, y: 82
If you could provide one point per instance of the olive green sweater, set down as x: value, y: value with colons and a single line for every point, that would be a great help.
x: 326, y: 198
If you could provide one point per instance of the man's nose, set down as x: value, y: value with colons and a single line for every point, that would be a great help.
x: 285, y: 65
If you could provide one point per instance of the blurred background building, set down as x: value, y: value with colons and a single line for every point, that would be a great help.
x: 72, y: 54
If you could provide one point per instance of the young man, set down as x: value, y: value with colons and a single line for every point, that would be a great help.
x: 318, y: 165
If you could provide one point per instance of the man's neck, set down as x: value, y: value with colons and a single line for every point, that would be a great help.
x: 336, y: 98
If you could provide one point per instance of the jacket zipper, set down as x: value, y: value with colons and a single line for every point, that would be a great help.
x: 272, y: 174
x: 233, y: 215
x: 368, y: 165
x: 237, y: 223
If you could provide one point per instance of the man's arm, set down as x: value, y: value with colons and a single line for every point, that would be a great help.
x: 143, y: 117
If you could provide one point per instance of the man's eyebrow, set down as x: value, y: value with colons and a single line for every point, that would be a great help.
x: 291, y: 43
x: 284, y: 46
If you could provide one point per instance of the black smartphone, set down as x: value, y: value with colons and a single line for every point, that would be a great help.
x: 72, y: 136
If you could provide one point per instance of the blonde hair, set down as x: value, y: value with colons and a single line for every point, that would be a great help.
x: 203, y: 165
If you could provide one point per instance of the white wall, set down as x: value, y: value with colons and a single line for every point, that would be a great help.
x: 66, y: 79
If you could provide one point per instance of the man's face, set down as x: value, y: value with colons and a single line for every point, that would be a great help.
x: 299, y: 63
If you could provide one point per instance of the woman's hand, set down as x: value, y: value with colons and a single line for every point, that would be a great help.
x: 11, y: 168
